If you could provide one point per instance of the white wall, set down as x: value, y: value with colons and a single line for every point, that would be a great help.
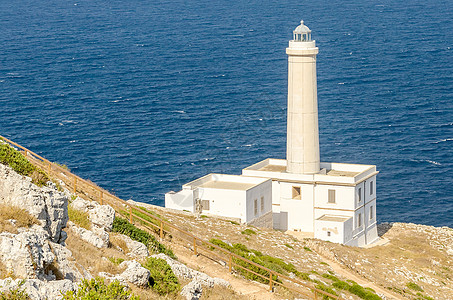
x: 340, y: 232
x: 344, y: 197
x: 296, y: 214
x: 224, y: 202
x: 263, y: 190
x: 183, y: 200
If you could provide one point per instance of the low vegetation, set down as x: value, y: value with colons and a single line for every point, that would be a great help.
x: 13, y: 158
x: 352, y: 287
x: 97, y: 289
x: 415, y: 287
x: 12, y: 217
x: 248, y: 231
x: 124, y: 227
x: 80, y: 218
x: 15, y: 293
x: 272, y: 263
x: 162, y: 279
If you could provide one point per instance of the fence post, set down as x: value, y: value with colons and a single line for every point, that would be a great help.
x: 316, y: 295
x: 49, y: 168
x: 130, y: 214
x: 195, y: 246
x: 271, y: 283
x: 161, y: 233
x: 75, y: 185
x: 231, y: 263
x: 100, y: 197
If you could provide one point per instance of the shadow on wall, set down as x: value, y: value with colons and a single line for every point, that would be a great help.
x: 280, y: 220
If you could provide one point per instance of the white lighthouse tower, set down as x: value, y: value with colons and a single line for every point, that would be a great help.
x: 302, y: 134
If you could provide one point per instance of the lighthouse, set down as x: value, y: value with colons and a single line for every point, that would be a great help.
x: 300, y: 195
x: 302, y: 142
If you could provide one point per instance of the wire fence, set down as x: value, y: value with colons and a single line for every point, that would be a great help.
x: 156, y: 225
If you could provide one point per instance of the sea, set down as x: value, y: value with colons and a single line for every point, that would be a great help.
x: 142, y: 96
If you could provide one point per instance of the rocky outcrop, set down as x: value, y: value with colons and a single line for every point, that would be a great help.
x: 184, y: 271
x: 136, y: 249
x: 192, y: 291
x: 37, y: 289
x: 99, y: 239
x: 46, y: 203
x: 134, y: 273
x: 30, y: 254
x: 101, y: 218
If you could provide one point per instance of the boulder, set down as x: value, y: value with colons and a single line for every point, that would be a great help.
x: 192, y: 291
x: 184, y: 271
x: 102, y: 216
x: 46, y: 203
x: 37, y: 289
x: 136, y: 249
x: 27, y: 254
x: 89, y: 236
x: 134, y: 274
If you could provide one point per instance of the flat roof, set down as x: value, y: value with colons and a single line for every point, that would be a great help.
x: 227, y: 185
x: 342, y: 173
x: 273, y: 168
x: 333, y: 218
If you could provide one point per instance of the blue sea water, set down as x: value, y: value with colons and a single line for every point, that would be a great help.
x: 143, y: 96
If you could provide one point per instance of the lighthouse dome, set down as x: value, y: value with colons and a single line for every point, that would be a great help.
x: 302, y: 33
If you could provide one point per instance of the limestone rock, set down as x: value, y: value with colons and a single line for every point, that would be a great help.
x: 90, y: 236
x: 26, y: 254
x: 46, y: 203
x: 83, y: 205
x: 192, y: 291
x: 102, y: 216
x: 136, y: 249
x: 182, y: 270
x: 134, y: 274
x: 37, y: 289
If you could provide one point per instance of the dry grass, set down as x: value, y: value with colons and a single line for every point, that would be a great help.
x: 21, y: 216
x: 116, y: 241
x: 91, y: 258
x: 80, y: 218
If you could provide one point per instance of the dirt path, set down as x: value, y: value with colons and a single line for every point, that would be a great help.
x: 339, y: 269
x: 249, y: 289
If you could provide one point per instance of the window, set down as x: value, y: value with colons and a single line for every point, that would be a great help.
x: 255, y: 206
x: 205, y: 204
x: 296, y: 193
x: 262, y: 204
x: 331, y: 196
x: 371, y: 188
x: 360, y: 195
x: 328, y: 233
x: 359, y: 221
x: 371, y: 213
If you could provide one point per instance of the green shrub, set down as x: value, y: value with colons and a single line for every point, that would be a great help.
x: 331, y: 277
x: 414, y: 286
x: 124, y: 227
x: 363, y: 293
x: 289, y: 246
x: 327, y: 289
x: 13, y: 158
x: 15, y: 293
x: 307, y: 249
x: 162, y: 279
x: 116, y: 261
x: 248, y: 231
x: 341, y: 285
x: 96, y: 289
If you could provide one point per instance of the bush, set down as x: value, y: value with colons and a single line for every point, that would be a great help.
x: 96, y: 289
x: 13, y: 158
x: 327, y: 289
x: 248, y: 231
x: 414, y: 286
x: 124, y: 227
x: 15, y: 294
x: 162, y: 279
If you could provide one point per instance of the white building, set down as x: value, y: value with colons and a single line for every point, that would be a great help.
x: 330, y: 201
